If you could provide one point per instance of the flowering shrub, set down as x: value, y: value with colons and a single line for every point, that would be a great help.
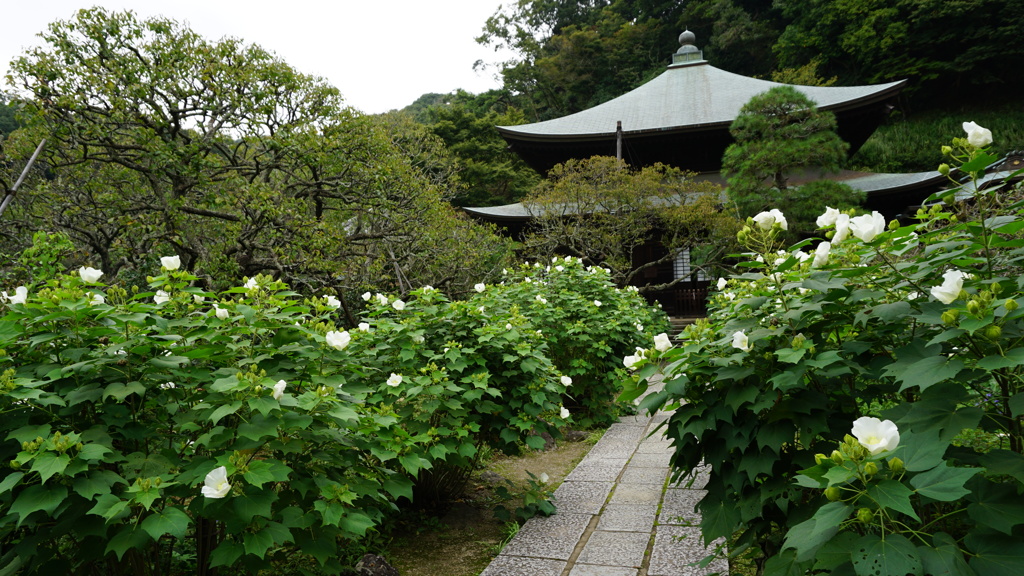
x: 919, y: 324
x: 175, y: 430
x: 588, y: 325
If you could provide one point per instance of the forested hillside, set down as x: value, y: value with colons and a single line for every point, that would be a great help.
x: 959, y: 59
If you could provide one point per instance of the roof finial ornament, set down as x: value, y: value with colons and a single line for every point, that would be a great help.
x: 687, y: 52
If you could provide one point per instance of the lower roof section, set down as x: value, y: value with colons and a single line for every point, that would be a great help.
x: 889, y: 194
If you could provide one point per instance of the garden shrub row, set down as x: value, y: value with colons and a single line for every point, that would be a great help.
x: 859, y: 405
x: 175, y: 430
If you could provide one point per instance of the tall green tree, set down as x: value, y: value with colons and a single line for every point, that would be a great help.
x: 778, y: 134
x: 601, y: 210
x: 569, y: 56
x: 489, y: 173
x: 162, y: 141
x: 930, y: 42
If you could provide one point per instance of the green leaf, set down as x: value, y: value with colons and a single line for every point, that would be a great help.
x: 9, y: 332
x: 944, y: 558
x: 1003, y: 462
x: 38, y: 497
x: 891, y: 312
x: 331, y: 512
x: 108, y: 506
x: 790, y: 355
x: 997, y: 506
x: 170, y: 520
x: 47, y: 464
x: 944, y: 483
x: 252, y: 503
x: 226, y: 554
x: 97, y: 482
x: 930, y: 371
x: 893, y: 495
x: 257, y: 428
x: 921, y: 451
x: 119, y: 390
x: 995, y: 554
x: 807, y: 536
x: 1016, y: 402
x: 356, y: 523
x: 412, y: 463
x: 398, y: 487
x: 840, y: 474
x: 10, y: 481
x: 257, y: 543
x: 323, y: 548
x: 224, y: 410
x: 168, y: 361
x: 719, y: 519
x: 980, y: 162
x: 1014, y: 357
x: 873, y: 556
x: 263, y: 471
x: 128, y: 537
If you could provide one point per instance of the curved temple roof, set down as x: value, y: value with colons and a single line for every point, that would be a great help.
x: 682, y: 117
x: 685, y: 97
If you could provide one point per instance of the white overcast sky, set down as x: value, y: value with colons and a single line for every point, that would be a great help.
x: 381, y: 54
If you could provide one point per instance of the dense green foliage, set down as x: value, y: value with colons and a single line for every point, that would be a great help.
x: 587, y: 323
x: 919, y: 324
x: 222, y: 153
x: 489, y: 173
x: 601, y: 210
x: 569, y: 56
x: 173, y: 430
x: 778, y: 133
x: 905, y: 144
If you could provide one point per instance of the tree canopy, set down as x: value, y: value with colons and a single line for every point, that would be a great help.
x: 569, y: 56
x: 778, y: 133
x: 601, y: 210
x: 160, y: 140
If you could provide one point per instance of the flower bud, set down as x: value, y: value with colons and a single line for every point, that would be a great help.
x: 896, y: 465
x: 944, y: 169
x: 865, y: 515
x: 837, y: 457
x: 973, y: 307
x: 1010, y: 304
x: 870, y: 469
x: 819, y: 458
x: 996, y: 288
x: 947, y: 150
x: 833, y: 493
x: 993, y: 332
x: 949, y: 317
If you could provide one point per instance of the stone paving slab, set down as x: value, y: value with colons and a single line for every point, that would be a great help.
x: 628, y: 518
x: 636, y: 494
x: 553, y: 537
x: 676, y: 551
x: 596, y: 570
x: 595, y: 472
x: 637, y: 475
x: 678, y: 506
x: 650, y: 460
x: 505, y: 565
x: 582, y: 497
x: 615, y: 549
x: 623, y: 482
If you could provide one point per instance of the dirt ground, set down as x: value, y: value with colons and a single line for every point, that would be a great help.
x: 465, y: 540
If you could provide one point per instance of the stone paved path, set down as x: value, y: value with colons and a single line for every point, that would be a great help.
x: 617, y: 515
